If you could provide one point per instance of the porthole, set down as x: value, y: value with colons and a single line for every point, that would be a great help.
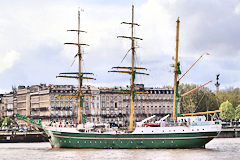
x: 100, y: 141
x: 95, y: 142
x: 113, y: 142
x: 163, y: 142
x: 131, y: 142
x: 85, y: 142
x: 121, y: 141
x: 90, y: 141
x: 183, y: 130
x: 69, y: 141
x: 171, y: 141
x: 152, y: 131
x: 77, y: 141
x: 141, y: 141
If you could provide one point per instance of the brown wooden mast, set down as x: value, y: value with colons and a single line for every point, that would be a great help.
x: 176, y: 74
x: 177, y: 71
x: 131, y: 70
x: 79, y: 74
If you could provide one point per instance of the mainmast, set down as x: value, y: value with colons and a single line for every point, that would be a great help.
x: 79, y: 74
x: 132, y: 69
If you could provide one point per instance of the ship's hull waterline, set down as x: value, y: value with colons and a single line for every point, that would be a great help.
x: 130, y: 141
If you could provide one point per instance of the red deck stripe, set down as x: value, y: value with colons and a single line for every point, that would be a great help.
x: 137, y: 138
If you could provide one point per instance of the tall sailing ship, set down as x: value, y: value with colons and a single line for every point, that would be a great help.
x: 185, y: 131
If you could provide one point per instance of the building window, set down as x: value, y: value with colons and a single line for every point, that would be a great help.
x: 52, y: 105
x: 120, y: 98
x: 51, y: 112
x: 107, y: 98
x: 56, y: 106
x: 103, y: 98
x: 97, y: 105
x: 111, y: 98
x: 93, y: 98
x: 66, y: 114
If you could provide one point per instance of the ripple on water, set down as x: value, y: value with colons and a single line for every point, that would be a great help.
x: 218, y: 149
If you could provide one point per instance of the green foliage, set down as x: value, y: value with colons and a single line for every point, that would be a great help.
x: 237, y: 112
x: 228, y: 112
x: 204, y: 99
x: 1, y: 120
x: 230, y: 94
x: 7, y: 121
x: 200, y: 100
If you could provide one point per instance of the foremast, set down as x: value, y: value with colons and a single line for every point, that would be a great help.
x: 131, y: 70
x: 78, y: 75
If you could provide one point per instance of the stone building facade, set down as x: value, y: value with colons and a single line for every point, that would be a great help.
x: 2, y: 107
x: 107, y: 105
x: 115, y: 107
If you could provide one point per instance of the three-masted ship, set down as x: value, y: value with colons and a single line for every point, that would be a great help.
x: 183, y: 132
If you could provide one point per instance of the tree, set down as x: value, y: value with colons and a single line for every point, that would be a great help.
x: 7, y: 121
x: 1, y: 120
x: 231, y: 94
x: 237, y: 113
x: 200, y: 100
x: 228, y: 112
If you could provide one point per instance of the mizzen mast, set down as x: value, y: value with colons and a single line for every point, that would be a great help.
x: 176, y: 73
x: 131, y: 70
x: 78, y: 75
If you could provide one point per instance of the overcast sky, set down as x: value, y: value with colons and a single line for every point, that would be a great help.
x: 33, y: 33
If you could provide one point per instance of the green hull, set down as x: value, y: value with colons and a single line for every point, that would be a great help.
x: 130, y: 141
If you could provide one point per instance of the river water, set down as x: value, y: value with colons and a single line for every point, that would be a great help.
x: 217, y: 149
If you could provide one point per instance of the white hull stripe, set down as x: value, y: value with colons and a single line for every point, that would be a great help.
x: 136, y: 138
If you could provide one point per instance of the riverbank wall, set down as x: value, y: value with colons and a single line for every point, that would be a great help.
x: 22, y: 137
x: 229, y: 132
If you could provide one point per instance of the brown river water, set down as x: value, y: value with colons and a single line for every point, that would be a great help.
x: 217, y: 149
